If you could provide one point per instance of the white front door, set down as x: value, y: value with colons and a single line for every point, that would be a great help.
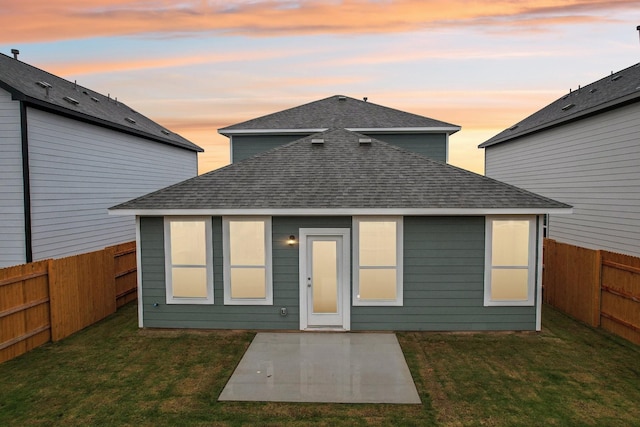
x: 324, y: 279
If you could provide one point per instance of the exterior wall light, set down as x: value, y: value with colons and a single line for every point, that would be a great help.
x: 292, y: 240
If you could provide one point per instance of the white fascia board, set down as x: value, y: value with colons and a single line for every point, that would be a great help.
x: 447, y: 129
x: 268, y: 131
x: 345, y: 211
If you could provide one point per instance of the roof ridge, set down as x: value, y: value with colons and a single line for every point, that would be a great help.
x: 337, y: 111
x: 279, y: 112
x: 464, y: 171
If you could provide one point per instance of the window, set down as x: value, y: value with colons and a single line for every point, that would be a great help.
x: 247, y: 261
x: 188, y: 260
x: 377, y: 272
x: 510, y: 260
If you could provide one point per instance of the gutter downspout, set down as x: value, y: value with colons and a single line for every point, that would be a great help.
x: 26, y: 184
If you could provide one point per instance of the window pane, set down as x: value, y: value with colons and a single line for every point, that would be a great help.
x: 246, y: 242
x: 509, y: 284
x: 510, y: 244
x: 189, y: 282
x: 377, y: 283
x: 378, y: 243
x: 325, y: 277
x: 188, y: 243
x: 248, y: 283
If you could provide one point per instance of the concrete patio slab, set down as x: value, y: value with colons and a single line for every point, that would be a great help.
x: 322, y: 367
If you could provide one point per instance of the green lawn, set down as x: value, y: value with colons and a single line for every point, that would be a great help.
x: 114, y: 374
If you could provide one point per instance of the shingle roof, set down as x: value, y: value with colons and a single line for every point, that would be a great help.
x: 339, y: 112
x: 613, y: 91
x: 340, y: 173
x: 28, y: 83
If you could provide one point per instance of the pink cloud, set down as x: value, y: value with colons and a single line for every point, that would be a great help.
x: 32, y: 20
x: 111, y: 65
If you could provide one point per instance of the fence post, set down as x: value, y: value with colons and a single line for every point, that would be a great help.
x: 597, y: 290
x: 54, y: 300
x: 548, y: 270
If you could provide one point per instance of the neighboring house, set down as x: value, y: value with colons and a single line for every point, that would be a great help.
x: 340, y: 231
x: 582, y: 149
x: 67, y: 153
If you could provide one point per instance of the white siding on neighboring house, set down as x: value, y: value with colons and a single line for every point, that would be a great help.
x: 592, y: 164
x: 79, y: 170
x: 12, y: 243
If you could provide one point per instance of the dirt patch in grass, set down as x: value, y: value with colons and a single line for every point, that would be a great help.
x: 115, y: 374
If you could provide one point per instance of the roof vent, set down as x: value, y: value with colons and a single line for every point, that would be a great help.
x: 514, y: 127
x: 616, y: 77
x: 71, y: 100
x: 94, y: 99
x: 317, y: 141
x: 594, y: 90
x: 43, y: 84
x: 166, y: 132
x: 130, y: 120
x: 365, y: 141
x: 342, y: 98
x: 15, y: 52
x: 568, y: 107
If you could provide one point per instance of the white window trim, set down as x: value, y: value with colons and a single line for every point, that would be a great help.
x: 170, y: 299
x: 268, y: 300
x: 531, y: 288
x: 398, y: 301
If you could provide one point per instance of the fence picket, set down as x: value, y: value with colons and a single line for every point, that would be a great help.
x: 51, y: 299
x: 598, y: 287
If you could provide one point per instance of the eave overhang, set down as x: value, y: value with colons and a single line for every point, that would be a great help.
x: 86, y: 118
x: 345, y: 211
x: 307, y: 131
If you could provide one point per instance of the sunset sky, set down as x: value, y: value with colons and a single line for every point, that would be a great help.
x: 196, y: 66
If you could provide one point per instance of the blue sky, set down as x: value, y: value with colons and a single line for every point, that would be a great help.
x: 196, y: 66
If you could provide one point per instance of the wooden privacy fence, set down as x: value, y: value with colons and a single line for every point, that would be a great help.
x: 50, y: 300
x: 599, y: 287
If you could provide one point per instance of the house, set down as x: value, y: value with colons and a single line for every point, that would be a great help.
x: 582, y: 149
x: 339, y: 230
x: 421, y: 134
x: 67, y: 153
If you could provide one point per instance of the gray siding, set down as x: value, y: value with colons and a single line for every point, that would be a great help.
x: 12, y: 243
x: 285, y: 279
x: 245, y: 146
x: 79, y: 170
x: 443, y: 283
x: 432, y: 145
x: 592, y: 164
